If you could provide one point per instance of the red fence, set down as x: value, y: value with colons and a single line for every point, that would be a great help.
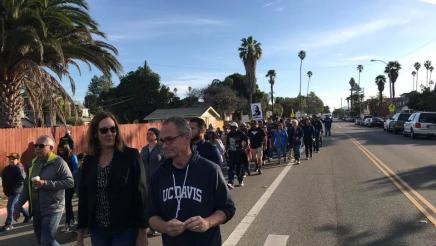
x: 21, y: 140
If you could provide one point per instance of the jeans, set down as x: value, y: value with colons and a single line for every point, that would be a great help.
x: 46, y: 227
x: 328, y: 131
x: 236, y: 165
x: 308, y: 147
x: 12, y: 200
x: 69, y: 215
x: 281, y: 151
x: 112, y: 237
x: 297, y: 152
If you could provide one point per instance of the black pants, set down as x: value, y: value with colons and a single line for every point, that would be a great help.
x: 328, y: 131
x: 316, y: 143
x: 69, y: 215
x: 308, y: 144
x: 237, y: 164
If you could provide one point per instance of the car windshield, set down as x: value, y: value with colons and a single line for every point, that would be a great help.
x: 428, y: 118
x: 404, y: 117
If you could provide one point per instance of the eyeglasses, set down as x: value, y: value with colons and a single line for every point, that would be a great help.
x: 104, y: 130
x: 40, y: 146
x: 168, y: 140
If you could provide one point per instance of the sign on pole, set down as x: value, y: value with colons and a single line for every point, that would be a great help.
x: 391, y: 108
x: 256, y: 111
x: 298, y: 114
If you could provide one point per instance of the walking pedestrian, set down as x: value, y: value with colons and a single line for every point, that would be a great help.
x: 215, y: 140
x: 328, y: 125
x: 296, y: 133
x: 13, y: 177
x: 236, y: 142
x: 308, y: 138
x: 317, y: 124
x: 67, y: 139
x: 189, y: 194
x: 281, y: 142
x: 199, y: 143
x: 112, y: 192
x: 70, y: 158
x: 153, y: 157
x: 47, y: 180
x: 257, y: 138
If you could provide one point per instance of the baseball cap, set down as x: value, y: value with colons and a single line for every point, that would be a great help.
x: 234, y: 124
x: 13, y: 155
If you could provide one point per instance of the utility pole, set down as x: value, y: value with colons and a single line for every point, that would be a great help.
x: 342, y: 109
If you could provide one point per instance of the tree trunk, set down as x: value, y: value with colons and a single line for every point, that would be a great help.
x: 299, y: 94
x: 416, y: 80
x: 272, y: 100
x: 11, y: 104
x: 393, y: 91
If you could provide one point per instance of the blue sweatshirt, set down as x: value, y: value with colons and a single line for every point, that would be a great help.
x: 208, y: 151
x: 205, y: 191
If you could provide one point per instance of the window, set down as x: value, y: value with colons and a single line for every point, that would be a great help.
x: 427, y: 118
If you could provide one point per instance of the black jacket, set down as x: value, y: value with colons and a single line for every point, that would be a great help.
x: 127, y: 191
x: 205, y: 192
x: 309, y: 132
x: 12, y: 180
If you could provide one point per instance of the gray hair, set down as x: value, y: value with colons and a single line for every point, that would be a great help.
x: 182, y: 125
x: 294, y: 121
x: 49, y: 140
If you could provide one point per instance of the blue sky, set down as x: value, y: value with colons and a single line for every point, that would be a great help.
x: 190, y: 43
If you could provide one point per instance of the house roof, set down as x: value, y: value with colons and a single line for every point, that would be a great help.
x: 163, y: 114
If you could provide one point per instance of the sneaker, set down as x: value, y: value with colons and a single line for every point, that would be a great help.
x: 26, y: 220
x: 230, y: 186
x: 241, y: 183
x: 259, y: 171
x: 298, y: 162
x: 7, y: 228
x: 153, y: 233
x: 66, y: 228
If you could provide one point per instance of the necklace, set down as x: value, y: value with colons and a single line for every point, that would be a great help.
x: 179, y: 197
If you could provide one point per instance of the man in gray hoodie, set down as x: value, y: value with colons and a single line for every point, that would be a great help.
x: 45, y: 186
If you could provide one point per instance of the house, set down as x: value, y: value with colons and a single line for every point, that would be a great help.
x: 208, y: 114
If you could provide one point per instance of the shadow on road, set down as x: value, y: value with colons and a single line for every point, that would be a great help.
x: 398, y: 232
x: 422, y: 178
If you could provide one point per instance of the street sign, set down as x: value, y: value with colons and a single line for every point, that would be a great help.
x: 256, y: 111
x: 391, y: 108
x: 298, y: 114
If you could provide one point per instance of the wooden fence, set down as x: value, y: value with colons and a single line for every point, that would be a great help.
x: 21, y: 140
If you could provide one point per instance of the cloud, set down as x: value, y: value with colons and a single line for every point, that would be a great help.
x: 272, y: 3
x: 429, y: 1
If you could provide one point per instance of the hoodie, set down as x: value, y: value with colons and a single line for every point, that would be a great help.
x: 203, y: 193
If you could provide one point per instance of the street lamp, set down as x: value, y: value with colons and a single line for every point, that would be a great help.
x: 374, y: 60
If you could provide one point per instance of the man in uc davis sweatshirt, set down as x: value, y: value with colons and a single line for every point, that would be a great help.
x: 189, y: 197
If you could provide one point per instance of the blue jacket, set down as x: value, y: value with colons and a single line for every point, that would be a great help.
x: 208, y: 151
x: 281, y: 138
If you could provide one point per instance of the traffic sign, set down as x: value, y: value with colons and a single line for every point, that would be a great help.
x: 298, y: 114
x: 391, y: 108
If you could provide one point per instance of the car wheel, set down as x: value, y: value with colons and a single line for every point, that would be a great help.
x: 412, y: 134
x: 404, y: 134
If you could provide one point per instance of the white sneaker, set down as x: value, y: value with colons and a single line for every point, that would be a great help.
x: 230, y: 186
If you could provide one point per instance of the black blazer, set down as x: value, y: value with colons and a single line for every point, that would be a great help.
x: 127, y: 191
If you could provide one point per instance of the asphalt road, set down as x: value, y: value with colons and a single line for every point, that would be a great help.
x: 346, y: 195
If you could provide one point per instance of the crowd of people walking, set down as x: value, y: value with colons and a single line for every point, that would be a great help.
x: 173, y: 187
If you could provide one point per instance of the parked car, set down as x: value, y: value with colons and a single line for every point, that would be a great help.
x: 376, y: 122
x: 420, y: 124
x: 357, y: 121
x: 362, y: 122
x: 366, y: 122
x: 396, y: 124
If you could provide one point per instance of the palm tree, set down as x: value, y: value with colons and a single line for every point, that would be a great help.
x: 413, y: 80
x: 301, y: 55
x: 271, y: 74
x: 417, y: 66
x: 353, y: 87
x: 175, y: 91
x: 380, y: 81
x: 392, y: 70
x: 250, y: 51
x: 41, y: 38
x: 431, y: 71
x: 427, y: 65
x: 360, y: 69
x: 309, y: 75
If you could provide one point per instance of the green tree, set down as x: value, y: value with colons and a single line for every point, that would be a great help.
x: 250, y: 51
x: 271, y: 75
x: 96, y: 88
x: 417, y: 66
x: 326, y: 110
x: 222, y: 98
x: 352, y: 83
x: 392, y: 70
x: 278, y: 110
x: 380, y: 81
x: 301, y: 55
x: 315, y: 104
x: 39, y: 36
x: 427, y: 65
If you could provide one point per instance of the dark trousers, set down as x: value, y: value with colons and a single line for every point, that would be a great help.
x: 69, y: 215
x: 328, y: 131
x: 236, y: 165
x: 308, y: 147
x: 316, y: 143
x: 118, y: 237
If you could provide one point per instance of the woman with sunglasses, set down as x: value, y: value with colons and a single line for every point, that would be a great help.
x: 112, y: 191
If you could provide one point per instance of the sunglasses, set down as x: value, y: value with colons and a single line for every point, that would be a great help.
x: 168, y: 140
x: 104, y: 130
x: 40, y: 146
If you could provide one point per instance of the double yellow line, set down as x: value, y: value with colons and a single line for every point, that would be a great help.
x: 417, y: 199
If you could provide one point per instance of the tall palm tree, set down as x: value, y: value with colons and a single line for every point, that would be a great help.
x: 413, y: 80
x: 301, y: 55
x: 380, y: 81
x: 360, y: 69
x: 353, y: 87
x: 417, y: 66
x: 392, y: 70
x: 271, y: 74
x: 431, y: 68
x: 250, y: 51
x: 309, y: 75
x: 427, y: 65
x: 41, y: 38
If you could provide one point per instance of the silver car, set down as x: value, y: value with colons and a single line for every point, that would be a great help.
x: 420, y: 124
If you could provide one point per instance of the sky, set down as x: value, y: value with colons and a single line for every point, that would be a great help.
x: 192, y: 42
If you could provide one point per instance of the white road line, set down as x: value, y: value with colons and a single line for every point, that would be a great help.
x: 276, y: 240
x: 242, y: 227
